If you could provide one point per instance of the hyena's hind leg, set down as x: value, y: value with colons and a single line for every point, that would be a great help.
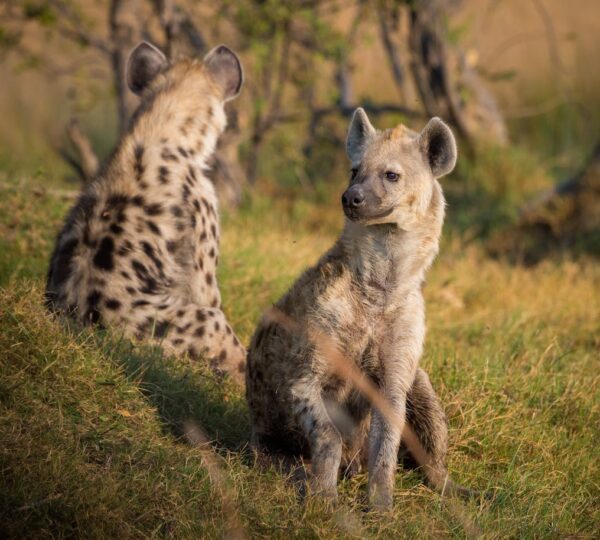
x: 426, y: 418
x: 200, y: 332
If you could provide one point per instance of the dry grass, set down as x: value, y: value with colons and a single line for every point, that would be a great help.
x: 93, y: 436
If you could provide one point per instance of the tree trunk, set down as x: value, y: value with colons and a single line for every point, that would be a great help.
x: 124, y: 33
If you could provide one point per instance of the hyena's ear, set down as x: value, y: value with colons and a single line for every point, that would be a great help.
x: 226, y: 69
x: 358, y: 134
x: 437, y: 143
x: 145, y: 62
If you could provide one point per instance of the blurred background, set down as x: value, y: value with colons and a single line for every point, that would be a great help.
x: 516, y: 79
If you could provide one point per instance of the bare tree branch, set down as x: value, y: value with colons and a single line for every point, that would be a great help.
x: 88, y: 160
x: 388, y: 14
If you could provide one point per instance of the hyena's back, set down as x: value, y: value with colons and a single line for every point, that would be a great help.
x: 139, y: 249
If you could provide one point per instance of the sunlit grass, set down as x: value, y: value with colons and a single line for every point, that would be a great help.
x: 91, y: 429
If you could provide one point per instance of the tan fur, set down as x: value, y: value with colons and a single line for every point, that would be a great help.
x: 365, y: 294
x: 139, y: 250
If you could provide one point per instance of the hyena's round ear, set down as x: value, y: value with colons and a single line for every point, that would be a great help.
x: 358, y: 134
x: 226, y: 69
x: 437, y: 143
x: 145, y: 62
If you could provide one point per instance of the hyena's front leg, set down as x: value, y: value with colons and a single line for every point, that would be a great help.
x: 384, y: 441
x: 399, y: 356
x: 324, y: 440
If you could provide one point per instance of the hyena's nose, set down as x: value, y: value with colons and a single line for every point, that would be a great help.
x: 353, y: 197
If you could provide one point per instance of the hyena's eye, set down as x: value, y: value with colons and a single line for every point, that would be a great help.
x: 391, y: 176
x: 353, y: 173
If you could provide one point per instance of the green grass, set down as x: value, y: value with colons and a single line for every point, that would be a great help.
x: 91, y: 428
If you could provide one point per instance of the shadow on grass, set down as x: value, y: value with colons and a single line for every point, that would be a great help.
x: 183, y: 391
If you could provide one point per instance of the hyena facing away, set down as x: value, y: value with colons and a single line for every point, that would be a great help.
x: 365, y: 296
x: 139, y: 250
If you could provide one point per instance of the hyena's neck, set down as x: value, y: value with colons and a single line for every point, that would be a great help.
x: 390, y: 257
x: 177, y: 129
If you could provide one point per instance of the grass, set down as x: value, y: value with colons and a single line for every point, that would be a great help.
x: 91, y: 427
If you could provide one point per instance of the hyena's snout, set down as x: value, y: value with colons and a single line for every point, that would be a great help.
x: 353, y: 200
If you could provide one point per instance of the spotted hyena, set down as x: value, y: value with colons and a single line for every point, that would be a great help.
x: 140, y: 248
x: 364, y: 295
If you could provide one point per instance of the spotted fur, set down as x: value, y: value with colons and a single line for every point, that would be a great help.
x: 139, y: 250
x: 364, y: 295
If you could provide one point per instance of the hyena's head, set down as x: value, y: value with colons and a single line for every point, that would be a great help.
x: 218, y: 75
x: 394, y: 171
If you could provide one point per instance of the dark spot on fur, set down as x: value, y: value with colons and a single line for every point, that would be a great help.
x: 92, y: 313
x: 182, y: 152
x: 180, y: 312
x: 153, y: 209
x: 112, y: 303
x: 163, y: 175
x: 139, y: 303
x: 138, y: 200
x: 177, y: 341
x: 185, y: 192
x: 199, y: 332
x: 117, y: 200
x: 115, y: 228
x: 138, y: 165
x: 183, y: 329
x: 176, y: 211
x: 211, y: 253
x: 209, y: 278
x: 149, y: 284
x: 167, y: 155
x: 104, y: 256
x: 200, y: 316
x: 171, y: 246
x: 153, y: 227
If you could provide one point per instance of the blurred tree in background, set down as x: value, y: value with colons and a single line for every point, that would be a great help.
x: 298, y: 63
x: 300, y: 58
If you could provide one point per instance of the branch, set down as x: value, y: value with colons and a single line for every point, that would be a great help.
x: 76, y: 30
x: 389, y: 27
x: 178, y: 23
x: 371, y: 109
x: 88, y: 158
